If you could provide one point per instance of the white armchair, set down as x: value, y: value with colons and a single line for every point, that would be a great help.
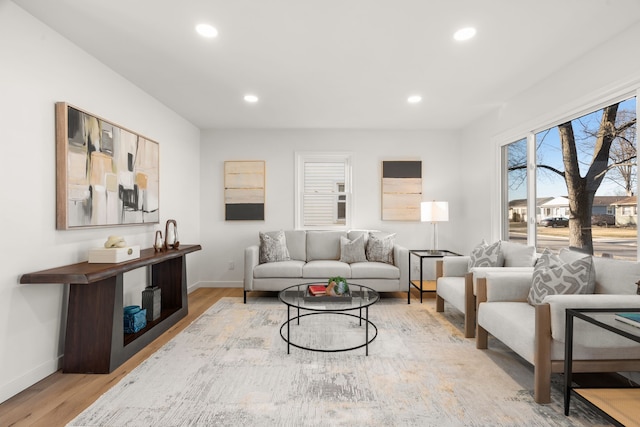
x: 537, y: 333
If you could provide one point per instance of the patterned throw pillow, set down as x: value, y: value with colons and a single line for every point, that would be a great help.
x: 352, y: 250
x: 380, y: 249
x: 552, y: 276
x: 273, y: 247
x: 485, y: 255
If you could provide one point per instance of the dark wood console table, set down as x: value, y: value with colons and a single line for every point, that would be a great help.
x: 95, y: 341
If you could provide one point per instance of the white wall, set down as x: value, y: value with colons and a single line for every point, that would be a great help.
x: 39, y: 67
x: 598, y: 78
x: 224, y: 241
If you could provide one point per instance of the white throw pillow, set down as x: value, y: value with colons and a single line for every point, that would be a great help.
x: 553, y: 276
x: 485, y: 255
x: 273, y: 247
x: 380, y: 249
x: 352, y: 250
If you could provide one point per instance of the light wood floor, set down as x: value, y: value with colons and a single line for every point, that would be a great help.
x: 59, y: 398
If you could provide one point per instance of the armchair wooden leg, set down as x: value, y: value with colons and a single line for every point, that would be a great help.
x: 482, y: 338
x: 469, y: 307
x: 439, y: 304
x: 542, y: 355
x: 542, y: 383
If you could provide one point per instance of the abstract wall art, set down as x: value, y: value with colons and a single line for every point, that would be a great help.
x: 244, y: 190
x: 401, y: 190
x: 105, y: 175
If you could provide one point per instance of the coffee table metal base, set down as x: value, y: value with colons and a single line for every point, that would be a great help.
x: 366, y: 320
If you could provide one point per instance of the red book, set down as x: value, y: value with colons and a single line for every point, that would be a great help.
x: 317, y: 290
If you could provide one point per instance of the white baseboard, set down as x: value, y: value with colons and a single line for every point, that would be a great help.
x: 212, y: 284
x: 25, y: 381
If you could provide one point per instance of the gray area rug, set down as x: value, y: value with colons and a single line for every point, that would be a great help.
x: 230, y: 367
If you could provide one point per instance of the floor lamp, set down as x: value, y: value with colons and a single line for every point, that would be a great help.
x: 434, y: 212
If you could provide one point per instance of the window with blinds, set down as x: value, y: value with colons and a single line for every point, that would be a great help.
x: 323, y: 190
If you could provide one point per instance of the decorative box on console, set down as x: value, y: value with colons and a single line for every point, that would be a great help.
x: 113, y: 255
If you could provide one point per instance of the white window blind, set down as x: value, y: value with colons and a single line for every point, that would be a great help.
x: 323, y: 190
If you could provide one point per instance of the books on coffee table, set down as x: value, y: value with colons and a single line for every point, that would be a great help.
x: 629, y: 318
x: 317, y: 290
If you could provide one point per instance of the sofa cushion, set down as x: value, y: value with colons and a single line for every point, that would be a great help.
x: 374, y: 270
x: 273, y: 247
x: 326, y: 268
x: 291, y: 268
x: 324, y: 245
x: 352, y: 250
x: 380, y: 247
x: 485, y: 255
x: 297, y: 244
x: 517, y: 254
x: 553, y: 276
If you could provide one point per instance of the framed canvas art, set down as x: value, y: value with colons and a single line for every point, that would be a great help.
x: 244, y: 190
x: 105, y: 175
x: 401, y: 190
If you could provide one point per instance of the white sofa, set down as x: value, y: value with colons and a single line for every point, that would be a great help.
x: 537, y: 332
x: 456, y: 283
x: 315, y: 257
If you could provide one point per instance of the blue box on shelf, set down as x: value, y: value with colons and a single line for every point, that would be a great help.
x: 135, y: 319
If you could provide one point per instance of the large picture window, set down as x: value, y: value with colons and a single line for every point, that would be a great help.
x: 323, y: 190
x: 585, y: 184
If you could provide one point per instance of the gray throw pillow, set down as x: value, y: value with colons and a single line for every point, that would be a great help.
x: 273, y: 247
x: 485, y: 255
x: 553, y: 276
x: 380, y: 249
x: 352, y: 250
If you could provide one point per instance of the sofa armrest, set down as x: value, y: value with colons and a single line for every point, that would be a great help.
x: 251, y: 260
x: 558, y: 305
x: 401, y: 260
x: 455, y: 266
x: 504, y: 286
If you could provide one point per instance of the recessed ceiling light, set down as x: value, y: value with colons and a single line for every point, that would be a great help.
x: 251, y: 99
x: 206, y: 30
x: 464, y: 34
x: 414, y: 99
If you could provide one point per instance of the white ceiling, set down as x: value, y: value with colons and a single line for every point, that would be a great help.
x: 335, y: 63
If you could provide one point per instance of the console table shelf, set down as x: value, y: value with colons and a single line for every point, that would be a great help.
x: 95, y: 341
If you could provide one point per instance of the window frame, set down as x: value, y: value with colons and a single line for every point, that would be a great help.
x: 530, y: 134
x: 319, y: 156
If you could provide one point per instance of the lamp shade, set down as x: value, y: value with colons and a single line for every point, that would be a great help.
x: 434, y: 211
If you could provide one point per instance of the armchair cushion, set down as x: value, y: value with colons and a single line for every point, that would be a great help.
x: 552, y: 276
x: 517, y: 254
x: 485, y: 255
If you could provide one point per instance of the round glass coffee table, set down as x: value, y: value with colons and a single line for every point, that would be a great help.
x: 360, y: 298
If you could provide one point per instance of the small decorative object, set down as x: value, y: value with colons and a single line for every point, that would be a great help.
x: 158, y: 243
x: 171, y: 235
x: 115, y: 242
x: 337, y: 286
x: 151, y: 302
x: 135, y: 319
x: 115, y: 250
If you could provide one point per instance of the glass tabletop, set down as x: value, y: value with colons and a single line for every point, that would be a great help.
x: 613, y: 319
x: 360, y: 296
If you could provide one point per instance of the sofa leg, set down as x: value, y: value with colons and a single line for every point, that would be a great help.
x: 245, y: 297
x: 439, y: 304
x: 482, y: 338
